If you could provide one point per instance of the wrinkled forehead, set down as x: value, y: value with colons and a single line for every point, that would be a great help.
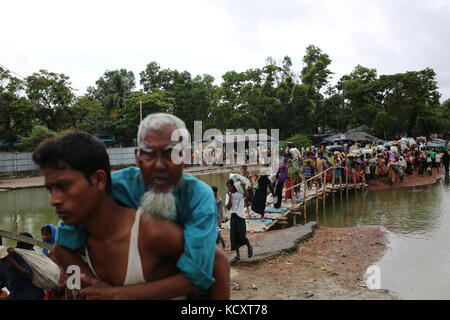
x: 160, y: 139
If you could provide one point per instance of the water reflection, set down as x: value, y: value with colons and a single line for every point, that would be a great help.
x: 404, y: 211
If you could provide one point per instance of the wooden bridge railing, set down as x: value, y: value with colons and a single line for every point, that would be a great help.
x: 321, y: 174
x: 324, y: 185
x: 18, y: 237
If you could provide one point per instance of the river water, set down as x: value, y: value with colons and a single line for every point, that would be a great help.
x: 416, y: 264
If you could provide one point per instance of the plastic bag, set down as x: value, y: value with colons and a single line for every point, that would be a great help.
x: 45, y: 272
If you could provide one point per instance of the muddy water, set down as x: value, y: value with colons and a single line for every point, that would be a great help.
x: 25, y: 210
x: 416, y: 264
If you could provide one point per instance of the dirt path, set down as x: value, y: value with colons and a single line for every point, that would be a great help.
x: 330, y: 265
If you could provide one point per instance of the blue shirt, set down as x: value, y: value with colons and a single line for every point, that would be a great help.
x: 19, y: 288
x: 196, y: 213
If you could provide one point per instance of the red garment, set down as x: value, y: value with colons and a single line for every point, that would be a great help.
x: 288, y: 193
x: 54, y: 294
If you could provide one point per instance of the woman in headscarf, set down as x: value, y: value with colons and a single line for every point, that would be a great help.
x: 280, y: 179
x: 48, y: 233
x: 260, y: 196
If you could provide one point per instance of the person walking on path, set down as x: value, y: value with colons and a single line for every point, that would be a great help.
x: 234, y: 202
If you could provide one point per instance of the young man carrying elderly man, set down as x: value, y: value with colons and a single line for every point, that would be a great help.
x: 148, y: 232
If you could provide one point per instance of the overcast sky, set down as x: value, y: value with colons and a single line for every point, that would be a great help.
x: 83, y: 39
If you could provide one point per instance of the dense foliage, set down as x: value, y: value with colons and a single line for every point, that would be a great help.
x: 273, y: 96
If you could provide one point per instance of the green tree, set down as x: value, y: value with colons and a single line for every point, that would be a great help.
x: 193, y: 99
x: 126, y: 124
x: 315, y: 75
x: 38, y: 134
x: 361, y: 103
x: 112, y: 89
x: 84, y: 112
x: 298, y: 140
x: 16, y: 111
x: 51, y: 95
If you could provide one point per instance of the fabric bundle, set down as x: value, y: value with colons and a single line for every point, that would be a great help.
x: 45, y: 272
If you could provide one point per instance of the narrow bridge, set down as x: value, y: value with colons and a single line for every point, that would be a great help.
x: 306, y: 198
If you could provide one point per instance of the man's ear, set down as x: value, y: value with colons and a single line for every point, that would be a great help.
x: 99, y: 179
x: 136, y: 154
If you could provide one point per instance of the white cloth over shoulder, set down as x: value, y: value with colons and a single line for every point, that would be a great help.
x: 237, y: 204
x: 246, y: 183
x: 45, y: 272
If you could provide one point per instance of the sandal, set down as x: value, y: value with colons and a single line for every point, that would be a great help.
x: 250, y: 252
x: 235, y: 260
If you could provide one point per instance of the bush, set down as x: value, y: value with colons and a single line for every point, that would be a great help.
x: 38, y: 134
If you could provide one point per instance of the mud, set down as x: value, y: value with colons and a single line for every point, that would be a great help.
x: 330, y: 265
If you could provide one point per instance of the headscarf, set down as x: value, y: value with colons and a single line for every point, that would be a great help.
x: 52, y: 238
x: 282, y: 176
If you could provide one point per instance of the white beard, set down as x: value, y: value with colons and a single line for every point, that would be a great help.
x: 160, y: 205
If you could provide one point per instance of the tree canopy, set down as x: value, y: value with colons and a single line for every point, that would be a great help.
x: 273, y: 96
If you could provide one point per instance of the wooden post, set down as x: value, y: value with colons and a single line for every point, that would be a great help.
x: 317, y: 199
x: 304, y: 195
x: 346, y: 179
x: 334, y: 201
x: 304, y: 209
x: 324, y: 194
x: 333, y: 177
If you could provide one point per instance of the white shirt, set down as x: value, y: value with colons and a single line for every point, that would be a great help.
x: 237, y: 205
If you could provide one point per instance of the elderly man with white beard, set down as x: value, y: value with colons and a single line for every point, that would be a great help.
x: 159, y: 186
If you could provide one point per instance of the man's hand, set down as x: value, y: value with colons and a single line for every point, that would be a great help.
x: 97, y: 289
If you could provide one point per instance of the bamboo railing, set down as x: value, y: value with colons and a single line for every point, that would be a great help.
x: 18, y: 237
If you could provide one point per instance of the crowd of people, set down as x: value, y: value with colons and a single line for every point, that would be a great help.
x: 356, y: 164
x: 247, y: 192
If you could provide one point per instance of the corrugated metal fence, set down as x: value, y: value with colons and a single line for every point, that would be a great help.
x: 21, y: 161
